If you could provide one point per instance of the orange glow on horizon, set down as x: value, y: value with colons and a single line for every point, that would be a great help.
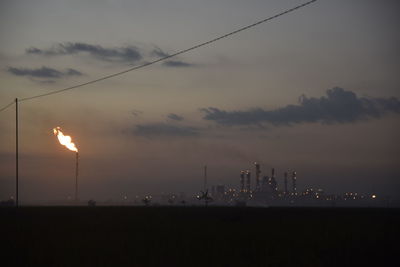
x: 65, y: 140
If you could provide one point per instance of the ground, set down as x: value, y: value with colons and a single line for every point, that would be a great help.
x: 198, y: 236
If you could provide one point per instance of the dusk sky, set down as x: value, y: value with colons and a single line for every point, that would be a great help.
x: 316, y: 91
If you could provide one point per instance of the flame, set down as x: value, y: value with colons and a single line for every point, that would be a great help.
x: 65, y: 140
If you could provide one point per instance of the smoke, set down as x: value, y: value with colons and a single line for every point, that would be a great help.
x: 338, y: 106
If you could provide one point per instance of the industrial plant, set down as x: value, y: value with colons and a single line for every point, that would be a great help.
x: 271, y: 190
x: 261, y: 191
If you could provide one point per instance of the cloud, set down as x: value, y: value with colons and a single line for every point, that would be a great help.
x: 159, y: 53
x: 163, y: 129
x: 111, y: 54
x: 121, y: 54
x: 72, y: 72
x: 170, y: 63
x: 34, y: 50
x: 177, y: 64
x: 175, y: 117
x: 339, y: 106
x: 43, y: 72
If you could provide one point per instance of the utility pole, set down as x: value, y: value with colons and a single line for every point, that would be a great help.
x: 16, y: 153
x: 205, y: 178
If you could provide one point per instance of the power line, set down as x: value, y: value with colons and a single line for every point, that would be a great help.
x: 168, y: 56
x: 7, y: 106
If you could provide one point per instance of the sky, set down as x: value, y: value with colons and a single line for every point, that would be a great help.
x: 316, y: 91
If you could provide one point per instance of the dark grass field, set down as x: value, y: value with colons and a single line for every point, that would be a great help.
x: 198, y: 236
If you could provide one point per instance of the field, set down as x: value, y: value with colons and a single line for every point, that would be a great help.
x: 198, y: 236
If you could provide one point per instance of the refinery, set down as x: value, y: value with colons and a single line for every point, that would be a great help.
x: 270, y: 190
x: 264, y: 191
x: 261, y: 191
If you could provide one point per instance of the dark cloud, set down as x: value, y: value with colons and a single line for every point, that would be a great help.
x: 33, y: 50
x: 339, y: 106
x: 122, y: 54
x: 170, y: 63
x: 113, y: 54
x: 43, y: 72
x: 163, y: 129
x: 72, y: 72
x: 177, y: 64
x: 159, y: 53
x: 175, y: 117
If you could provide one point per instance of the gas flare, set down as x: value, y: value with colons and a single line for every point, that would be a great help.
x: 65, y: 140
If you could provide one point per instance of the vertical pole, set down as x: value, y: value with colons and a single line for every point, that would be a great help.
x: 16, y: 153
x: 285, y: 181
x: 76, y: 177
x: 242, y: 181
x: 258, y: 171
x: 205, y: 178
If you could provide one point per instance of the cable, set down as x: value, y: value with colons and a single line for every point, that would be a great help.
x: 170, y: 56
x: 7, y: 106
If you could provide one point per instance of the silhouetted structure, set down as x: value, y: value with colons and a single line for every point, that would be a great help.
x: 205, y: 178
x: 204, y: 196
x: 272, y: 183
x: 248, y: 181
x: 285, y: 182
x: 242, y: 181
x: 258, y: 171
x: 294, y: 178
x: 76, y: 176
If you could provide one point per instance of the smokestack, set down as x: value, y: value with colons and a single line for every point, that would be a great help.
x: 294, y: 183
x: 272, y: 181
x: 248, y: 184
x: 76, y: 177
x: 258, y: 171
x: 66, y: 141
x: 242, y: 181
x: 285, y: 181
